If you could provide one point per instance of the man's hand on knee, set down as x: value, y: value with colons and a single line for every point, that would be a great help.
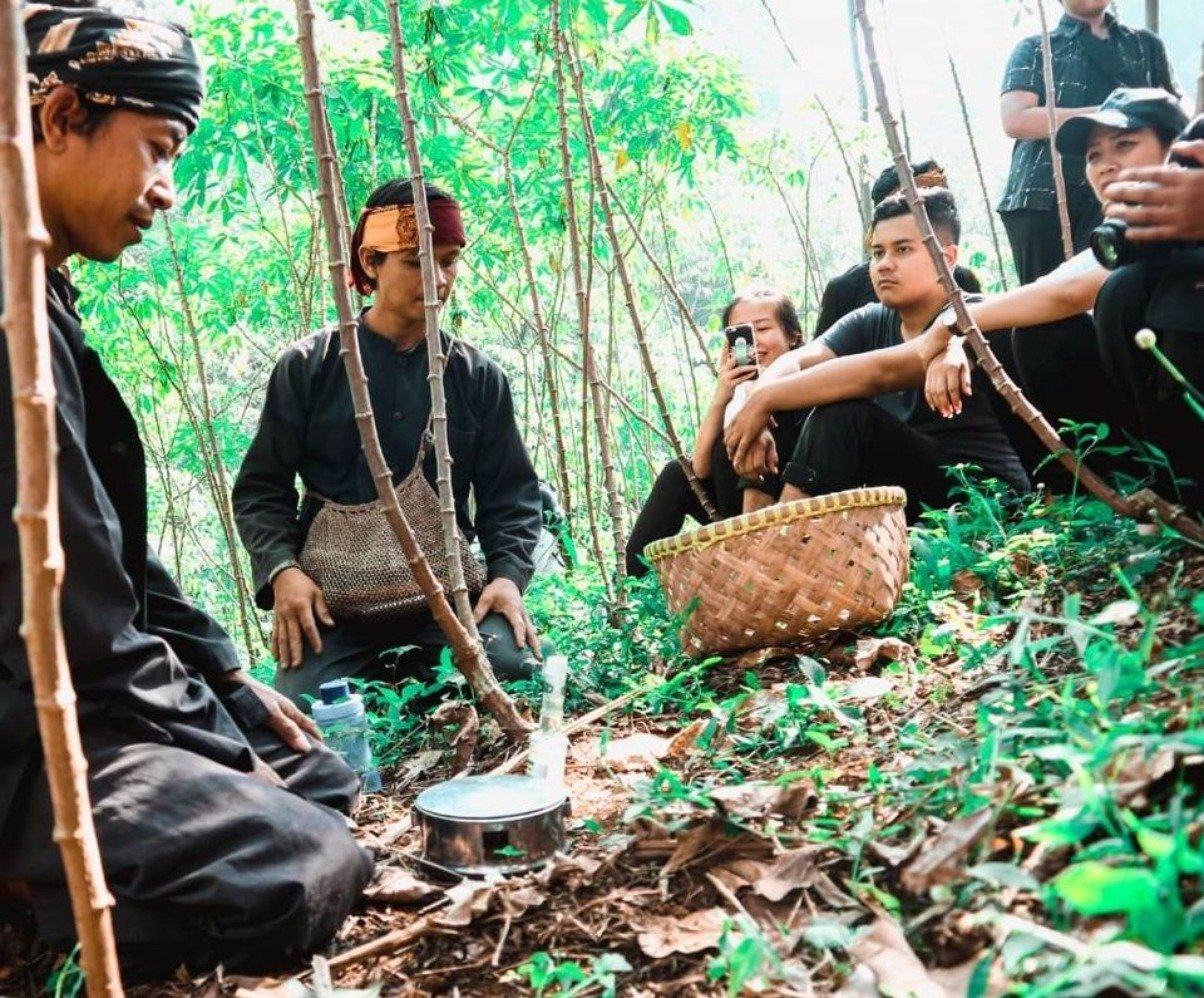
x: 502, y: 596
x: 284, y: 717
x: 299, y: 608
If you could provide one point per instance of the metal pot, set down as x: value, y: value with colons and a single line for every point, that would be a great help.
x: 504, y: 824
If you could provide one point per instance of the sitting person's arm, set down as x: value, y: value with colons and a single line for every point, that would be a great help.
x: 730, y: 375
x: 858, y: 375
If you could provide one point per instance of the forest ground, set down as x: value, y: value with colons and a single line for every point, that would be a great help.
x: 995, y: 793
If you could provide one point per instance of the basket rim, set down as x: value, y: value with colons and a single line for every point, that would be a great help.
x: 747, y: 523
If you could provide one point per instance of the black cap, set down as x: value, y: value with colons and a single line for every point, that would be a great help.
x: 1125, y: 108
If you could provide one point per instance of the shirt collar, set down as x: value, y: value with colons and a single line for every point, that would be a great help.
x: 1072, y: 26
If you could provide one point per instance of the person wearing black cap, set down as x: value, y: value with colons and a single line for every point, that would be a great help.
x: 307, y: 429
x: 1093, y: 54
x: 1044, y: 324
x: 852, y: 289
x: 220, y: 818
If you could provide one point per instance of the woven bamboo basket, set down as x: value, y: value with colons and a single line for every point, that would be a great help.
x: 787, y: 574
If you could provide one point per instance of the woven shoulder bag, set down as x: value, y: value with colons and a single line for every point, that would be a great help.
x: 353, y: 555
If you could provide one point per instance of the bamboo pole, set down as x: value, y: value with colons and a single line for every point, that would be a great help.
x: 436, y: 360
x: 1151, y: 15
x: 27, y: 333
x: 467, y: 652
x: 1051, y: 108
x: 982, y: 183
x: 210, y: 452
x: 1144, y: 505
x: 537, y: 310
x: 637, y: 322
x: 618, y: 534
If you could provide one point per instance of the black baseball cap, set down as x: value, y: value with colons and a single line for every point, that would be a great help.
x: 1125, y: 108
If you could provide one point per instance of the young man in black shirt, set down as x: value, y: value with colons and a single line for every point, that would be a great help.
x: 854, y: 288
x: 870, y: 424
x: 1093, y: 54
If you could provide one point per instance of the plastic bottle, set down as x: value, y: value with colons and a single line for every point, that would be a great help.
x: 341, y: 718
x: 550, y: 745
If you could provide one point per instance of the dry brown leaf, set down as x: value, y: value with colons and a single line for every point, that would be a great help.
x: 1135, y: 771
x: 661, y: 936
x: 943, y: 859
x: 686, y: 740
x: 956, y: 980
x: 641, y: 751
x: 759, y: 800
x: 895, y: 855
x: 463, y: 717
x: 871, y: 650
x: 469, y: 900
x: 899, y: 972
x: 789, y: 872
x: 399, y: 886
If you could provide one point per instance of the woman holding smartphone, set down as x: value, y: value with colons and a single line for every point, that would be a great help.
x: 766, y: 320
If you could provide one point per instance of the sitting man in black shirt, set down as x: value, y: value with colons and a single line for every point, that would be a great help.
x: 308, y: 429
x: 864, y: 378
x: 854, y: 288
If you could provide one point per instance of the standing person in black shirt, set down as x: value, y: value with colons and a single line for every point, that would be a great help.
x: 864, y: 377
x: 854, y: 288
x: 217, y: 810
x: 1093, y: 54
x: 307, y: 429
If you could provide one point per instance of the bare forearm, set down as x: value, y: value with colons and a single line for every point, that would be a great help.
x: 1054, y: 297
x: 1033, y: 122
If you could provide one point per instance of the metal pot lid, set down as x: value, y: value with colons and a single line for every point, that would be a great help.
x: 490, y: 798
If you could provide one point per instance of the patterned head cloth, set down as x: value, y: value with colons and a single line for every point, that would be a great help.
x: 393, y: 227
x: 113, y: 61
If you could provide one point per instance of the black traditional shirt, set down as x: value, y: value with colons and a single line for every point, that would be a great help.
x: 133, y: 640
x: 308, y: 429
x: 1085, y: 69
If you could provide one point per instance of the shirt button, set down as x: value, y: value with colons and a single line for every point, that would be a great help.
x: 398, y: 417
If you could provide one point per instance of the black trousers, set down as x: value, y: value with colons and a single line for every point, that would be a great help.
x: 207, y: 864
x: 672, y: 500
x: 392, y: 651
x: 846, y: 445
x: 1035, y: 236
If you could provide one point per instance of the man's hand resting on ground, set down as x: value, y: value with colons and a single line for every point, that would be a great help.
x: 299, y: 608
x: 501, y: 595
x: 285, y: 718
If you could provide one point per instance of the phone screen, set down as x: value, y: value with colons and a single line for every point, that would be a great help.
x: 742, y: 343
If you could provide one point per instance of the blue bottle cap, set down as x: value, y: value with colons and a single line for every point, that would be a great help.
x: 335, y: 690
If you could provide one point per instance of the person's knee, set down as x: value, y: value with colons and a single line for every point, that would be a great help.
x: 507, y: 659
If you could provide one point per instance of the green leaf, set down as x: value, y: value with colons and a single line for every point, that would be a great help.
x: 678, y: 23
x: 1093, y: 888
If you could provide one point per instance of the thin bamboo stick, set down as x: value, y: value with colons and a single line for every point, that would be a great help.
x: 1144, y: 505
x: 618, y: 533
x: 982, y: 183
x: 633, y: 311
x: 26, y: 330
x: 436, y: 361
x: 467, y: 652
x: 1051, y: 108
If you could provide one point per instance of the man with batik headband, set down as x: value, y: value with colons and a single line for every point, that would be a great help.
x: 308, y: 429
x: 217, y: 817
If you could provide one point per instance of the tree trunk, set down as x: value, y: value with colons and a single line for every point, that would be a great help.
x: 467, y: 651
x: 1151, y: 15
x: 37, y: 517
x: 1143, y: 505
x: 1051, y: 107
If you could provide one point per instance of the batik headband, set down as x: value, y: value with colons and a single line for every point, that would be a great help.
x: 394, y: 227
x: 113, y: 61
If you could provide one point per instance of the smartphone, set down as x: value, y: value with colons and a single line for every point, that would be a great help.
x: 742, y: 343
